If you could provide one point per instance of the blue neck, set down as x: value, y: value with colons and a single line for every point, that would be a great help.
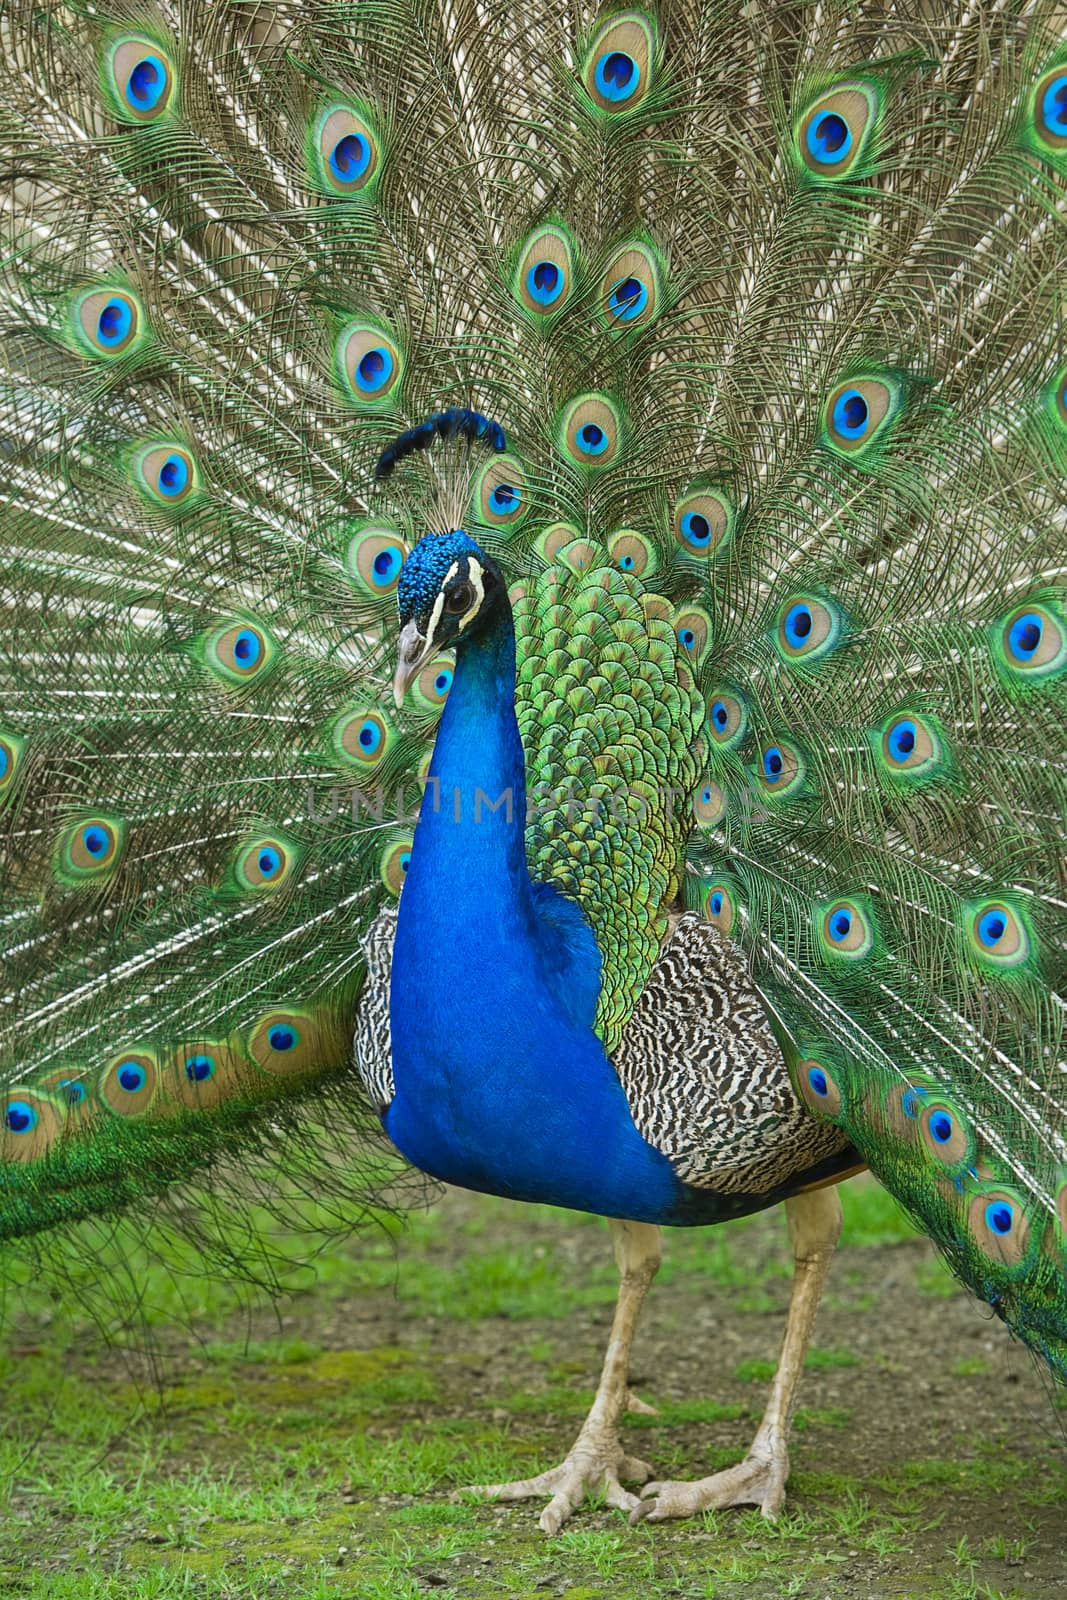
x: 501, y: 1082
x: 470, y: 851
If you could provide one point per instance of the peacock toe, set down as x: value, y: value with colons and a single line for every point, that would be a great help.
x: 594, y: 1468
x: 756, y: 1481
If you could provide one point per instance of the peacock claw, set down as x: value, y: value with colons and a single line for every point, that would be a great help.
x: 757, y: 1481
x: 588, y: 1469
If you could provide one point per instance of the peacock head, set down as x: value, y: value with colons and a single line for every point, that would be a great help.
x: 448, y: 590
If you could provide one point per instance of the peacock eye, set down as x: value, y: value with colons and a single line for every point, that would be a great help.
x: 459, y: 599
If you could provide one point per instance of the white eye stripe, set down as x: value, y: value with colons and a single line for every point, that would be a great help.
x: 435, y: 615
x: 439, y: 603
x: 474, y: 572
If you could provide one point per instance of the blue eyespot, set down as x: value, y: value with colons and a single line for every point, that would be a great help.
x: 374, y: 369
x: 840, y: 924
x: 405, y: 860
x: 1054, y: 106
x: 370, y: 363
x: 719, y: 907
x: 710, y: 805
x: 165, y: 473
x: 998, y: 934
x: 173, y: 477
x: 141, y: 76
x: 247, y: 648
x: 590, y: 430
x: 544, y: 282
x: 632, y: 552
x: 385, y: 568
x: 797, y: 625
x: 628, y: 299
x: 505, y: 498
x: 147, y: 83
x: 132, y: 1077
x: 829, y: 138
x: 106, y: 321
x: 941, y: 1127
x: 617, y: 75
x: 20, y: 1117
x: 114, y: 323
x: 851, y: 414
x: 591, y: 439
x: 343, y: 152
x: 817, y: 1080
x: 999, y: 1217
x: 443, y: 681
x: 719, y: 715
x: 696, y: 529
x: 269, y: 861
x: 350, y: 157
x: 95, y: 841
x: 370, y: 735
x: 900, y: 741
x: 1025, y: 635
x: 772, y: 764
x: 282, y: 1036
x: 198, y: 1069
x: 72, y: 1090
x: 910, y: 746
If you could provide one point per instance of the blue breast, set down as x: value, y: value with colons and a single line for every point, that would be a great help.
x: 501, y: 1087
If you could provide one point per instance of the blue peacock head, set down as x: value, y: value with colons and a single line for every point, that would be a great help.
x: 448, y: 590
x: 449, y: 587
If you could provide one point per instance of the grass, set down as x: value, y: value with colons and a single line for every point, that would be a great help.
x: 314, y: 1454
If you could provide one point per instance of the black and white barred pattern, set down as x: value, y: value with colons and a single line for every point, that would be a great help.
x: 705, y: 1076
x: 372, y: 1042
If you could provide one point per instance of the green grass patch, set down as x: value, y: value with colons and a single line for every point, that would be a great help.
x: 322, y: 1459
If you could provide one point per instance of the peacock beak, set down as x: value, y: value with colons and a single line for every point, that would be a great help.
x: 411, y: 651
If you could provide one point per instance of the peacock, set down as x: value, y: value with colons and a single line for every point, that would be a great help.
x: 534, y: 627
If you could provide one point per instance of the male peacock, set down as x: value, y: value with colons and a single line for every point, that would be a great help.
x: 740, y: 857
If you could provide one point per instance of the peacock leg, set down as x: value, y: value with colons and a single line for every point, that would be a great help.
x: 760, y: 1479
x: 598, y: 1461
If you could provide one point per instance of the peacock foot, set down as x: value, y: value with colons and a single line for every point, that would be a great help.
x: 759, y: 1480
x: 596, y: 1465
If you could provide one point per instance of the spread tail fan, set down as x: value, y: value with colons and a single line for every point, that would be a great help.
x: 768, y: 300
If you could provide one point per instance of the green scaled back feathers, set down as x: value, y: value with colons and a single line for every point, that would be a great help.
x: 612, y: 725
x: 769, y: 300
